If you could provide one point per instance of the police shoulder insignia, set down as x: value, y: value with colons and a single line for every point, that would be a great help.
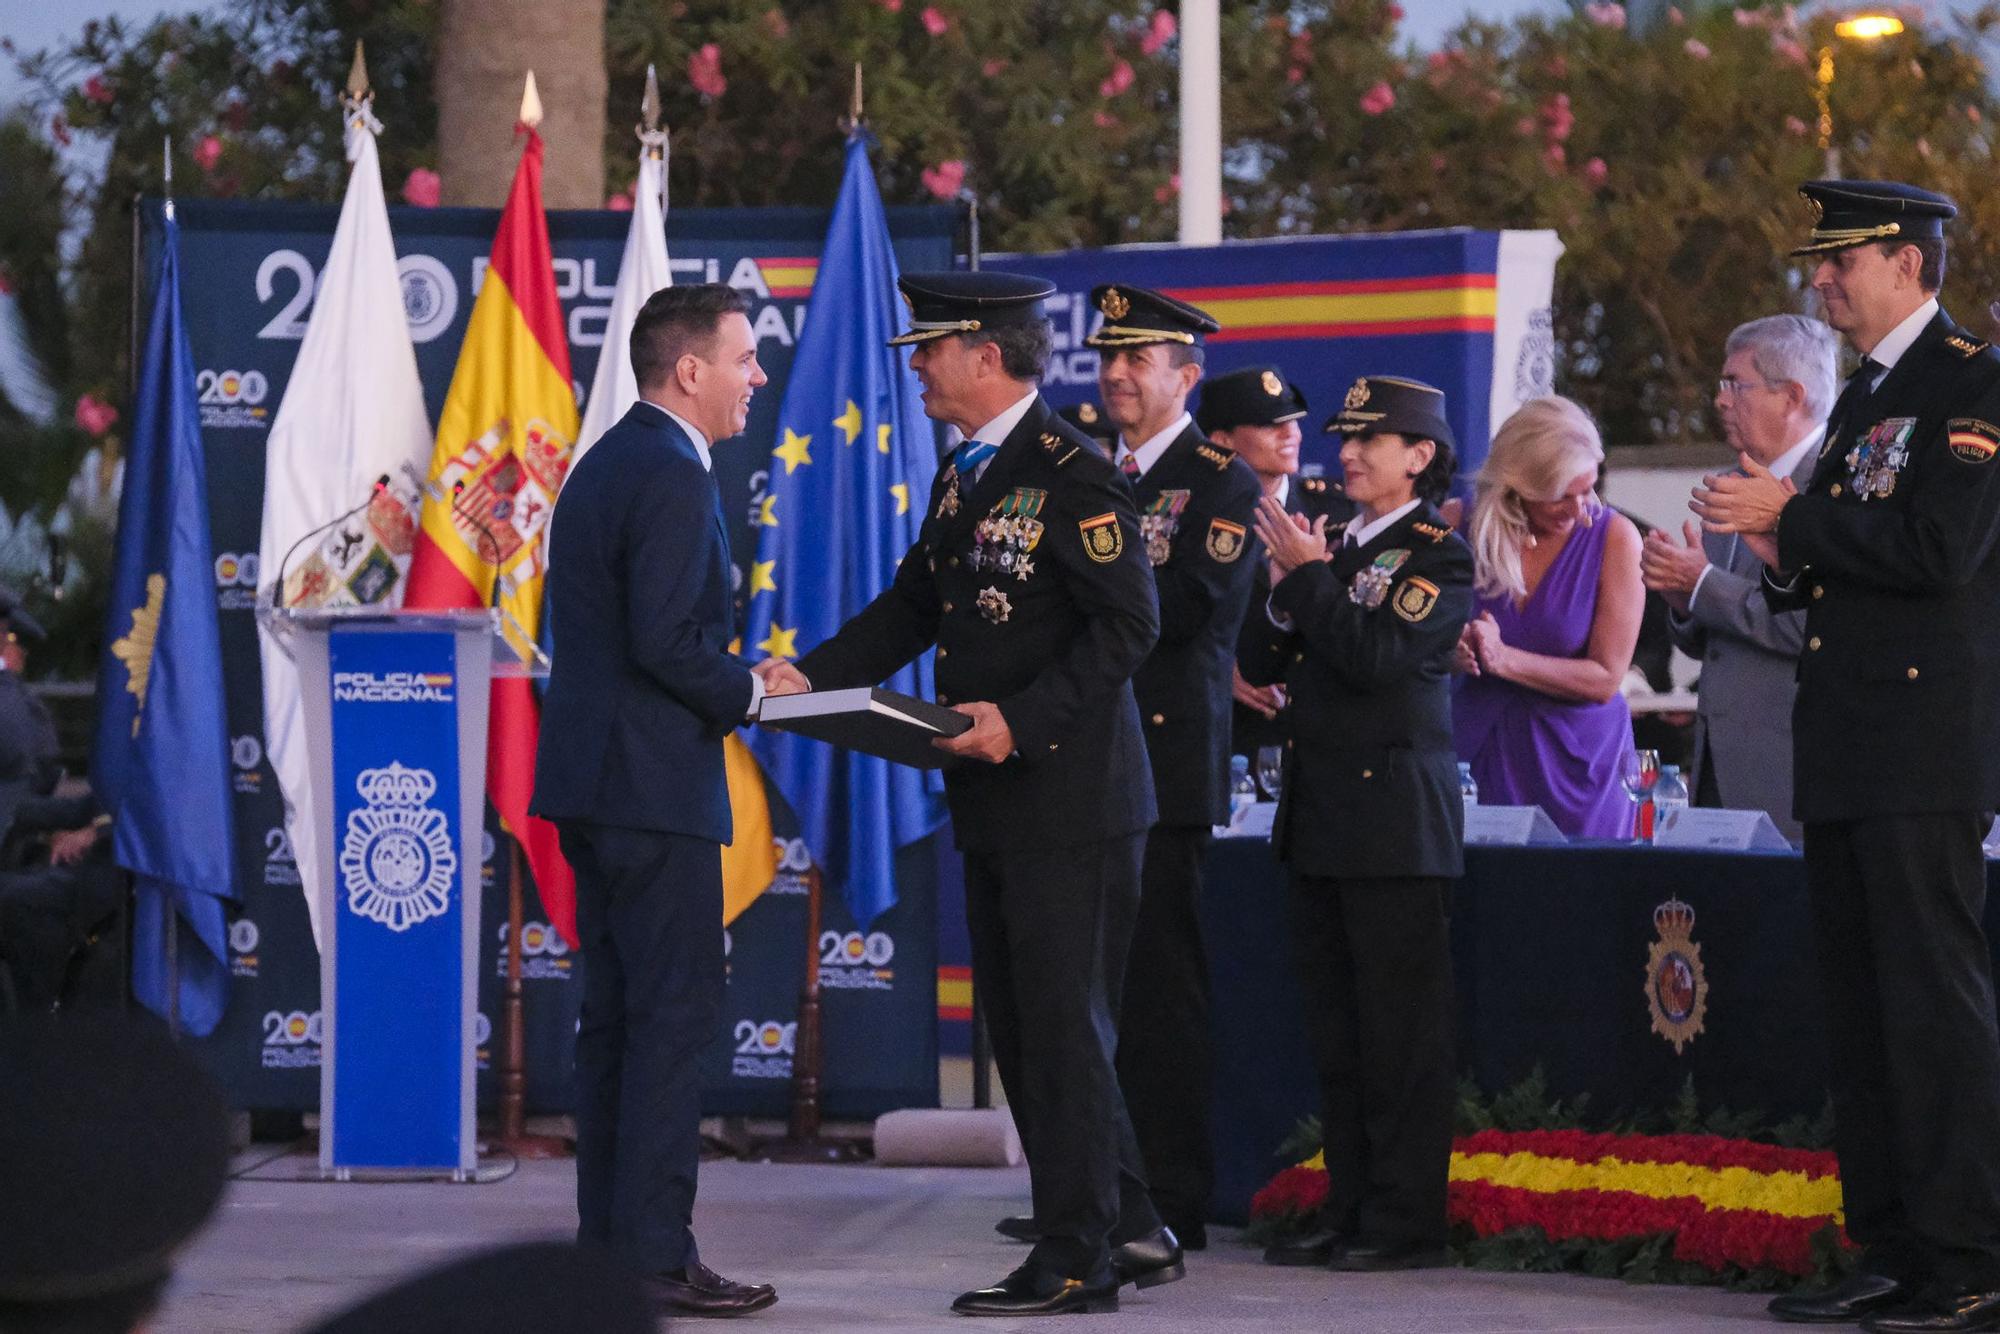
x: 1972, y: 440
x: 1430, y: 530
x: 1060, y: 450
x: 1215, y: 454
x: 1414, y: 599
x: 1676, y: 985
x: 1103, y: 540
x: 1225, y: 540
x: 1965, y: 347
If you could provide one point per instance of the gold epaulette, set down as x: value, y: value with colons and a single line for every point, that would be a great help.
x: 1431, y: 530
x: 1965, y: 347
x: 1060, y: 450
x: 1215, y: 454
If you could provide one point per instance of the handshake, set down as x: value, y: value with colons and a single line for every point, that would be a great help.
x: 781, y: 678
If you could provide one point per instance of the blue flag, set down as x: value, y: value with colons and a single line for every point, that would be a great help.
x: 848, y: 483
x: 161, y: 762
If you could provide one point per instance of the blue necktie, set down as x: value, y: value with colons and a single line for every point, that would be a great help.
x: 971, y: 454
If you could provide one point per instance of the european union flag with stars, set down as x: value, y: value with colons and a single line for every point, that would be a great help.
x: 848, y: 483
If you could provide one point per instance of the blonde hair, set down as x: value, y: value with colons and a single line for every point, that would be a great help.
x: 1536, y: 453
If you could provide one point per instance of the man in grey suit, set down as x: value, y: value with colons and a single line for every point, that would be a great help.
x: 1776, y: 389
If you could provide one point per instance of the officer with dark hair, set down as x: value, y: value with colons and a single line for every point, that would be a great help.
x: 1030, y: 578
x: 1893, y: 553
x: 1370, y: 822
x: 1255, y: 411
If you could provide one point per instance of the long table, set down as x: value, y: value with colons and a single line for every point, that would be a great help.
x: 1550, y: 953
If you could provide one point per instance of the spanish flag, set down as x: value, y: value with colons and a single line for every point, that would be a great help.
x: 503, y: 445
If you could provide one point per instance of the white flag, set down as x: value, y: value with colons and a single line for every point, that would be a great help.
x: 353, y: 412
x: 642, y: 272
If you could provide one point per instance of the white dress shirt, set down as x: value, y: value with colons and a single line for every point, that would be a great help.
x: 996, y: 431
x: 1149, y: 453
x: 1368, y: 532
x: 1898, y: 341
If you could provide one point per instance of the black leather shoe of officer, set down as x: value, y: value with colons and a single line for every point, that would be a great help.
x: 1149, y: 1261
x: 1373, y: 1258
x: 1033, y: 1290
x: 1314, y: 1250
x: 1941, y: 1313
x: 699, y: 1290
x: 1019, y: 1227
x: 1855, y: 1296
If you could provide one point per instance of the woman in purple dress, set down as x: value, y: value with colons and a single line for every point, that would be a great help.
x: 1539, y: 715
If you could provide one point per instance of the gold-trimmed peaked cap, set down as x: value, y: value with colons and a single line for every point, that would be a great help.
x: 1852, y: 213
x: 942, y: 304
x: 1250, y: 396
x: 1137, y: 316
x: 1391, y: 405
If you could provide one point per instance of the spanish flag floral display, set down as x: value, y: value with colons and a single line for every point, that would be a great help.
x: 1656, y: 1208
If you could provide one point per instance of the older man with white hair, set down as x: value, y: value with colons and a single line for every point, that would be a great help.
x: 1777, y: 386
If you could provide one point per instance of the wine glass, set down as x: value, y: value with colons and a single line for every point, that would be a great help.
x: 1270, y: 770
x: 1639, y: 774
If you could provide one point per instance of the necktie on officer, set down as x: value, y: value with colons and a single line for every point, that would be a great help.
x: 1129, y: 465
x: 1860, y: 386
x: 971, y: 455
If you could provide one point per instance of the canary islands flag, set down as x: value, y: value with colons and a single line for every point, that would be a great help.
x: 848, y: 482
x: 161, y: 760
x: 503, y: 445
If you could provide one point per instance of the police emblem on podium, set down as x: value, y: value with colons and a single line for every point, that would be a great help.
x: 1676, y: 984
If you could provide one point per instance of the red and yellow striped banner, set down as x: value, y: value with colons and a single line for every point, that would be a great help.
x: 1348, y: 308
x: 790, y: 278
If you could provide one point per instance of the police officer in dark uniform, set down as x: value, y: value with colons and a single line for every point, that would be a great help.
x: 1255, y: 413
x: 1893, y: 552
x: 1370, y: 821
x: 1195, y: 504
x: 1030, y: 577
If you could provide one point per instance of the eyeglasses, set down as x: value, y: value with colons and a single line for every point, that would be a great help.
x: 1729, y: 388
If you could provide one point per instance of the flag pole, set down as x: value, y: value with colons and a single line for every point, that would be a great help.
x: 514, y: 1136
x: 170, y: 933
x: 801, y: 1142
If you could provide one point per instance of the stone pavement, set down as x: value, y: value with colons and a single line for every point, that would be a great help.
x: 849, y: 1248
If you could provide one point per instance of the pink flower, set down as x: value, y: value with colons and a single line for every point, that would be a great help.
x: 1438, y: 163
x: 776, y: 24
x: 59, y: 130
x: 1302, y: 48
x: 1378, y: 99
x: 1558, y: 66
x: 1159, y: 32
x: 97, y: 90
x: 1675, y: 17
x: 993, y: 69
x: 1558, y: 118
x: 1103, y: 119
x: 207, y: 153
x: 1923, y: 147
x: 1747, y: 18
x: 1972, y: 114
x: 1394, y: 13
x: 1605, y: 15
x: 1438, y: 62
x: 1554, y: 158
x: 893, y: 6
x: 1295, y: 75
x: 94, y: 415
x: 1795, y: 127
x: 422, y: 188
x: 619, y: 203
x: 1166, y: 192
x: 1785, y: 49
x: 945, y: 179
x: 1596, y: 173
x: 1698, y: 49
x: 935, y: 23
x: 705, y: 71
x: 1525, y: 126
x: 1117, y: 81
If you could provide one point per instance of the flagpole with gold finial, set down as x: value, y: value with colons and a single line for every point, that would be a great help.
x: 514, y: 1136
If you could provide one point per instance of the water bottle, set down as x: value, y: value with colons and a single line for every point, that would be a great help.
x: 1242, y: 789
x: 1468, y: 788
x: 1670, y: 798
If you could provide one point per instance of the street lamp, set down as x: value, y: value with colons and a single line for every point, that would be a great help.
x: 1855, y: 28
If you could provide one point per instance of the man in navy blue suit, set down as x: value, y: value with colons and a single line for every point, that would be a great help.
x: 642, y: 693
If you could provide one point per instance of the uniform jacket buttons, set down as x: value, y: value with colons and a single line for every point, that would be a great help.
x: 1367, y: 773
x: 943, y: 699
x: 952, y: 561
x: 1052, y: 745
x: 944, y: 652
x: 1159, y: 718
x: 1835, y: 493
x: 1913, y: 673
x: 947, y: 609
x: 1813, y: 643
x: 1819, y: 590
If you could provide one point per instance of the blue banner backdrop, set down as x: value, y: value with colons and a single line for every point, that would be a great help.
x: 248, y: 276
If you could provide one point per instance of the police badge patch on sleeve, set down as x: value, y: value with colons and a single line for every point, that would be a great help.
x: 1225, y: 540
x: 1972, y: 440
x: 1103, y: 540
x: 1414, y: 599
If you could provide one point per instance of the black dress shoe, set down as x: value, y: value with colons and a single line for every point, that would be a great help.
x: 1019, y: 1227
x: 1314, y: 1250
x: 1148, y: 1261
x: 1370, y: 1258
x: 1033, y: 1290
x: 1944, y: 1313
x: 699, y: 1290
x: 1855, y: 1296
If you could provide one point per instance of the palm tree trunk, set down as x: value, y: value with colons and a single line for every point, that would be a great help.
x: 485, y: 49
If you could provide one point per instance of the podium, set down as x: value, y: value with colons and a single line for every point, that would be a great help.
x: 395, y: 717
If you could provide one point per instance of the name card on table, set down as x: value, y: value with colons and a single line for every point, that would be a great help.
x: 1720, y: 831
x: 1511, y: 827
x: 1255, y: 822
